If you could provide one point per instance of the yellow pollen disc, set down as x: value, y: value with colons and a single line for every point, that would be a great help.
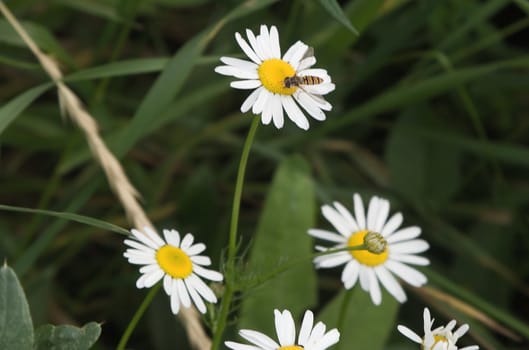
x: 363, y: 256
x: 174, y: 261
x: 291, y: 347
x: 272, y: 74
x: 438, y: 339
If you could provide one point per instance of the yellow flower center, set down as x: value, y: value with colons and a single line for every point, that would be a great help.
x: 291, y: 347
x: 272, y: 74
x: 174, y: 261
x: 438, y: 339
x: 363, y: 256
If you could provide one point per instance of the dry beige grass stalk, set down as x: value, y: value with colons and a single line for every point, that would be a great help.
x: 71, y: 106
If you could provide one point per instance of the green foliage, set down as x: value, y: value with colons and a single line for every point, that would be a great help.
x: 17, y: 328
x: 15, y: 324
x: 281, y: 240
x: 429, y: 111
x: 66, y: 337
x: 365, y: 325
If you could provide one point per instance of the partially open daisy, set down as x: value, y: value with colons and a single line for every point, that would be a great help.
x: 311, y: 337
x: 391, y: 249
x: 278, y: 82
x: 440, y: 338
x: 177, y: 262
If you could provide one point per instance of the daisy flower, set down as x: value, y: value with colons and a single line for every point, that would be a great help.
x: 311, y: 337
x: 441, y: 338
x: 391, y: 248
x: 177, y: 262
x: 278, y: 82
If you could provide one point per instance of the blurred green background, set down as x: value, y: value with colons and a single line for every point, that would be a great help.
x: 430, y: 110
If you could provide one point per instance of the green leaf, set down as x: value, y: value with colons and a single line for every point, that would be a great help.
x: 67, y: 337
x: 435, y: 174
x: 282, y: 238
x: 11, y: 110
x: 334, y: 9
x: 106, y: 226
x: 121, y: 68
x: 363, y: 325
x: 16, y: 327
x: 41, y: 35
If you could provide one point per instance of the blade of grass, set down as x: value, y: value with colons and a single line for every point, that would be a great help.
x: 11, y: 110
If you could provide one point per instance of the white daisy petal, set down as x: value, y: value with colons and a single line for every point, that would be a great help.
x: 306, y: 63
x: 241, y: 64
x: 319, y: 89
x: 350, y: 274
x: 374, y: 287
x: 187, y: 241
x: 145, y: 239
x: 135, y: 244
x: 237, y: 72
x: 264, y: 42
x: 339, y: 223
x: 172, y: 237
x: 208, y: 274
x: 182, y: 292
x: 238, y: 346
x: 245, y: 84
x: 359, y: 211
x: 260, y: 339
x: 268, y: 111
x: 393, y: 223
x: 382, y: 215
x: 175, y: 300
x: 321, y: 102
x: 364, y: 278
x: 332, y: 337
x: 259, y: 105
x: 197, y: 300
x: 167, y: 284
x: 390, y: 283
x: 306, y: 328
x: 410, y: 247
x: 202, y: 288
x: 294, y: 113
x: 152, y: 278
x: 372, y: 212
x: 333, y: 260
x: 247, y: 49
x: 201, y: 260
x: 255, y: 45
x: 404, y: 234
x: 277, y: 111
x: 250, y: 100
x: 353, y: 226
x: 195, y: 249
x: 408, y: 274
x: 274, y: 42
x: 290, y: 52
x: 308, y: 105
x: 285, y: 328
x: 408, y: 333
x: 297, y: 55
x: 326, y: 235
x: 410, y: 259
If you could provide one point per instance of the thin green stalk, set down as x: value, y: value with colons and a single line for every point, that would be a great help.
x: 232, y: 243
x: 137, y: 316
x: 345, y: 304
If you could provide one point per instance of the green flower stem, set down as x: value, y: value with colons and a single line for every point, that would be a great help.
x: 232, y: 244
x: 137, y: 316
